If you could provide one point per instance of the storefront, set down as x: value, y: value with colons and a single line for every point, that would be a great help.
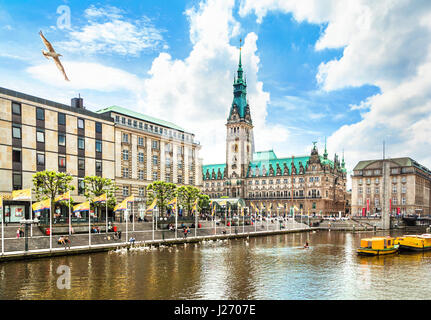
x: 15, y: 211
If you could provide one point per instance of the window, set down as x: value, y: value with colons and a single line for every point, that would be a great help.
x: 140, y: 157
x: 180, y: 164
x: 155, y: 160
x: 403, y: 189
x: 168, y: 162
x: 62, y: 162
x: 81, y: 164
x: 135, y: 123
x: 16, y: 156
x: 360, y: 181
x: 154, y: 176
x: 98, y: 146
x: 394, y: 180
x: 394, y: 201
x: 123, y: 120
x: 16, y: 108
x: 168, y: 177
x: 180, y: 179
x: 117, y: 118
x: 377, y: 191
x: 61, y: 139
x: 81, y: 143
x: 360, y: 190
x: 140, y: 141
x: 154, y: 144
x: 61, y: 119
x: 125, y: 172
x: 80, y: 123
x: 98, y: 166
x: 377, y: 180
x: 141, y: 174
x: 125, y: 154
x: 140, y: 125
x: 16, y: 131
x: 368, y: 190
x: 40, y: 114
x: 40, y: 136
x: 126, y: 137
x: 142, y: 191
x: 81, y: 186
x: 368, y: 181
x: 40, y: 159
x: 125, y: 191
x: 17, y: 181
x: 394, y: 171
x: 98, y: 127
x: 394, y: 188
x: 376, y: 201
x: 129, y: 122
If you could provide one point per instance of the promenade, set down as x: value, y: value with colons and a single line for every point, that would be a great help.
x: 142, y: 232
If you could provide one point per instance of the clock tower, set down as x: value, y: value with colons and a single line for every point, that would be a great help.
x: 239, y: 137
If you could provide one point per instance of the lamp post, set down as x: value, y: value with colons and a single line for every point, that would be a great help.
x: 26, y: 223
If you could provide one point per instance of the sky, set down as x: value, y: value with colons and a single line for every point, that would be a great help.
x: 356, y: 72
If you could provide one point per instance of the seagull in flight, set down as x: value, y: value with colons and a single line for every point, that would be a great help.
x: 54, y: 55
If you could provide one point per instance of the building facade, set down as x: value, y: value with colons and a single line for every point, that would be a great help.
x: 38, y: 134
x: 149, y: 149
x: 402, y: 186
x: 312, y: 183
x: 129, y: 148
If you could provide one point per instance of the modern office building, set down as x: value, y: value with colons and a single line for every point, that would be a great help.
x: 38, y: 134
x: 127, y: 147
x: 311, y: 183
x: 402, y: 186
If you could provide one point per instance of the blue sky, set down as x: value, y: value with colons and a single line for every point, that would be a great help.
x: 314, y: 69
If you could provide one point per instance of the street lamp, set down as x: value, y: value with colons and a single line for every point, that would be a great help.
x: 26, y: 223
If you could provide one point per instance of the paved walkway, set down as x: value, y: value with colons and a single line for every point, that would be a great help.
x: 142, y: 232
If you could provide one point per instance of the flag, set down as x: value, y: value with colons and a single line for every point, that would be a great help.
x: 280, y: 206
x: 213, y: 210
x: 63, y: 197
x: 195, y: 206
x: 41, y: 205
x: 1, y: 203
x: 261, y: 206
x: 101, y: 198
x: 173, y: 203
x: 130, y: 199
x: 152, y: 206
x: 242, y: 211
x: 223, y: 203
x: 24, y: 194
x: 121, y: 206
x: 85, y: 206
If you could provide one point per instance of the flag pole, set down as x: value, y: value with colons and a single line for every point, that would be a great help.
x: 50, y: 228
x: 152, y: 215
x: 106, y: 211
x: 243, y: 221
x: 70, y: 218
x: 176, y: 221
x: 89, y: 225
x: 133, y: 214
x: 196, y: 223
x: 127, y: 220
x: 31, y: 217
x: 2, y: 227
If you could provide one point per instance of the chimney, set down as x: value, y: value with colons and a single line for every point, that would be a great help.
x: 78, y: 102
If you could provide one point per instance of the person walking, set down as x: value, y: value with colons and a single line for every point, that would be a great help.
x: 18, y: 232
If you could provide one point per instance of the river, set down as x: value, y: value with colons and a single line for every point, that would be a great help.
x: 271, y: 267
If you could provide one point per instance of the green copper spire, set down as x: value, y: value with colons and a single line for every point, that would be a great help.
x: 343, y: 164
x: 239, y: 91
x: 325, y: 154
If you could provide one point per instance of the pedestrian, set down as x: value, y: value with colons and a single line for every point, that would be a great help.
x: 185, y: 232
x: 67, y: 242
x: 18, y: 232
x: 131, y: 218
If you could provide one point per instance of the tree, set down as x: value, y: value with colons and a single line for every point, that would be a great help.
x: 204, y: 202
x: 187, y: 196
x: 96, y: 186
x: 164, y: 191
x: 49, y: 184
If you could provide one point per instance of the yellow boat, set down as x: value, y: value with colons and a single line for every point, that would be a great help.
x: 377, y: 246
x: 414, y: 242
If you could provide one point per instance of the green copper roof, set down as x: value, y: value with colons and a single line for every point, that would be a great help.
x: 273, y: 162
x: 210, y: 167
x: 140, y: 116
x: 239, y: 91
x: 264, y: 155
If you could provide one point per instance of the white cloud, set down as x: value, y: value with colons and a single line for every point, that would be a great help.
x: 108, y: 31
x: 385, y: 43
x: 197, y: 92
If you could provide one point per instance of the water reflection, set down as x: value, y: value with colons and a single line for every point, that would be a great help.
x: 276, y: 267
